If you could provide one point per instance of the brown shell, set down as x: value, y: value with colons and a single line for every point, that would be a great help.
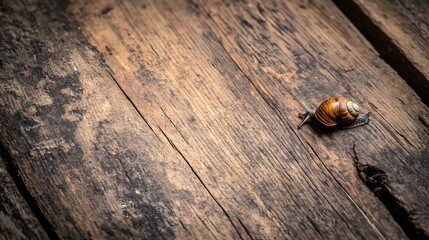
x: 333, y: 111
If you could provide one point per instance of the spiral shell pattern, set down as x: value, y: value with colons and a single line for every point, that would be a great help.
x: 336, y: 110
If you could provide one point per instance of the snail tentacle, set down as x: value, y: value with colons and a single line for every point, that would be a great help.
x: 307, y: 116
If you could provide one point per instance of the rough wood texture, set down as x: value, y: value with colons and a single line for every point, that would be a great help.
x: 178, y: 119
x: 89, y: 159
x: 212, y: 61
x: 17, y: 221
x: 399, y: 29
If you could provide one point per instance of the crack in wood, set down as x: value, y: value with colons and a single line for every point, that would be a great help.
x: 13, y: 170
x: 376, y: 180
x: 345, y: 191
x: 315, y: 227
x: 129, y: 99
x: 245, y: 228
x: 186, y: 229
x: 175, y: 127
x: 203, y: 222
x: 201, y: 181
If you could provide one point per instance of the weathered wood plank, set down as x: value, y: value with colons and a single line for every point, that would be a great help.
x: 318, y: 60
x: 17, y: 221
x: 212, y: 150
x: 225, y: 81
x: 92, y: 164
x: 318, y: 54
x: 399, y: 30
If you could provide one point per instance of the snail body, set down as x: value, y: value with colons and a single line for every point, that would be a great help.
x: 336, y: 111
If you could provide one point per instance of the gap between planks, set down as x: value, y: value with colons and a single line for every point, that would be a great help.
x: 388, y: 51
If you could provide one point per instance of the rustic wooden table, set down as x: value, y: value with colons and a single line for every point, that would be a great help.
x: 177, y: 119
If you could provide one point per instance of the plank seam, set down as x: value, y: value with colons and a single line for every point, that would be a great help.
x: 389, y: 52
x: 13, y: 170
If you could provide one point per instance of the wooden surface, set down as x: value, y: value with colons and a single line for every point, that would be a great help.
x: 399, y: 30
x: 177, y: 119
x: 16, y: 216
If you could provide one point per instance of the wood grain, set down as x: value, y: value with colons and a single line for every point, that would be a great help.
x: 177, y: 119
x: 329, y: 60
x: 90, y: 161
x: 242, y: 76
x: 17, y: 220
x: 399, y: 30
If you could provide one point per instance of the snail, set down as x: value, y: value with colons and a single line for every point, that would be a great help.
x: 336, y: 112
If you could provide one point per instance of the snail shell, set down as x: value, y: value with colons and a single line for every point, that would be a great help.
x: 337, y: 110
